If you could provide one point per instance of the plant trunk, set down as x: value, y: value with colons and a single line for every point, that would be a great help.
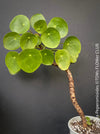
x: 73, y: 98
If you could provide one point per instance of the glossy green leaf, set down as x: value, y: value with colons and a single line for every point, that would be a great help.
x: 60, y: 24
x: 51, y: 38
x: 73, y: 46
x: 29, y: 60
x: 62, y: 59
x: 47, y: 57
x: 11, y: 41
x: 28, y: 41
x: 36, y: 18
x: 11, y: 62
x: 20, y: 24
x: 40, y: 26
x: 39, y: 39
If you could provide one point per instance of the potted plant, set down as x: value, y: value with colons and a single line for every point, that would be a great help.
x: 42, y: 48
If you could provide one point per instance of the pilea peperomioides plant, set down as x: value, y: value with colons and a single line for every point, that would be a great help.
x: 41, y: 48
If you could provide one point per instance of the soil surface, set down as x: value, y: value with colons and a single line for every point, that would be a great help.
x: 91, y: 129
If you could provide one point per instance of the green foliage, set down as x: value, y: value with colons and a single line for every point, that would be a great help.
x: 29, y: 60
x: 35, y: 18
x: 20, y: 24
x: 47, y: 57
x: 11, y: 62
x: 39, y: 48
x: 59, y: 24
x: 40, y: 26
x: 51, y: 38
x: 28, y: 41
x: 38, y: 39
x: 62, y: 58
x: 11, y: 41
x: 73, y: 45
x: 88, y: 121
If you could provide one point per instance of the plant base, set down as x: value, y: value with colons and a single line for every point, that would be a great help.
x: 75, y: 126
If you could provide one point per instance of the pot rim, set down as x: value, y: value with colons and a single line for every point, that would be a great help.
x: 78, y: 118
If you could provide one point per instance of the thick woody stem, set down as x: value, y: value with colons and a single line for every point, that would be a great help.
x: 73, y: 98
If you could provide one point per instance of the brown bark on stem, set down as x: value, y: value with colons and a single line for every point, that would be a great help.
x: 73, y: 98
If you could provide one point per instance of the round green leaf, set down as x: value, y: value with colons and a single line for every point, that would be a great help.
x: 47, y: 57
x: 11, y: 41
x: 73, y: 46
x: 62, y: 59
x: 11, y: 62
x: 60, y: 24
x: 29, y: 60
x: 40, y: 26
x: 36, y: 18
x: 39, y: 39
x: 28, y: 41
x: 51, y: 38
x: 20, y: 24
